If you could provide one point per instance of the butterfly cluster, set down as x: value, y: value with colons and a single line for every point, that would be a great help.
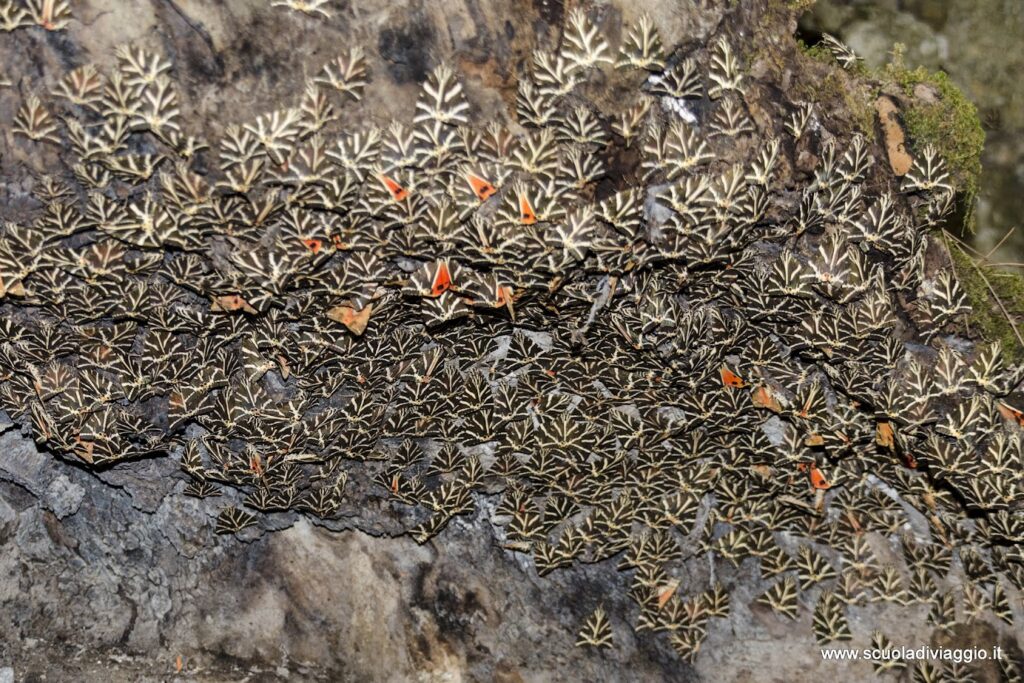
x: 643, y: 353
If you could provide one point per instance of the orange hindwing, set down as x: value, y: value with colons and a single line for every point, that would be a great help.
x: 764, y: 397
x: 1011, y: 413
x: 730, y: 378
x: 398, y: 193
x: 483, y: 189
x: 818, y: 479
x: 442, y: 280
x: 527, y: 216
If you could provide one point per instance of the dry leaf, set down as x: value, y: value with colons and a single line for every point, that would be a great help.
x: 85, y: 450
x: 230, y: 303
x: 814, y: 440
x: 354, y: 319
x: 885, y: 435
x: 14, y: 289
x: 895, y: 138
x: 764, y: 397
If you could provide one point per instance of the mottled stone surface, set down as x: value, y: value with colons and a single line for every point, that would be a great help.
x: 120, y: 589
x: 130, y: 587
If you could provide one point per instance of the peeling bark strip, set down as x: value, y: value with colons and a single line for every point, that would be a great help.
x: 711, y: 378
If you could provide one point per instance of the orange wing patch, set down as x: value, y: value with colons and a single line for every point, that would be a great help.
x: 1011, y: 413
x: 527, y: 216
x: 482, y: 188
x: 764, y: 397
x: 730, y: 378
x: 230, y: 303
x: 398, y: 193
x: 504, y: 295
x: 442, y: 280
x: 256, y: 464
x: 818, y: 479
x: 506, y: 298
x: 666, y: 592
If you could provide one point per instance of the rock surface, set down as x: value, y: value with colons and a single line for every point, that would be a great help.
x: 120, y: 590
x: 114, y: 575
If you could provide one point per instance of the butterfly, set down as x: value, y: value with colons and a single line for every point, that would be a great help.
x: 596, y: 631
x: 232, y: 520
x: 434, y: 279
x: 829, y: 620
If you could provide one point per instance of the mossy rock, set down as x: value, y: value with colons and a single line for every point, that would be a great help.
x: 934, y: 109
x: 941, y: 115
x: 937, y: 113
x: 987, y: 317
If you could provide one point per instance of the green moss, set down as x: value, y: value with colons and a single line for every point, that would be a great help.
x: 861, y: 106
x: 951, y: 124
x: 986, y: 318
x: 817, y: 52
x: 789, y: 6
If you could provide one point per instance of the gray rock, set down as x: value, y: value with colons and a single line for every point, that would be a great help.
x: 8, y: 517
x: 23, y: 465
